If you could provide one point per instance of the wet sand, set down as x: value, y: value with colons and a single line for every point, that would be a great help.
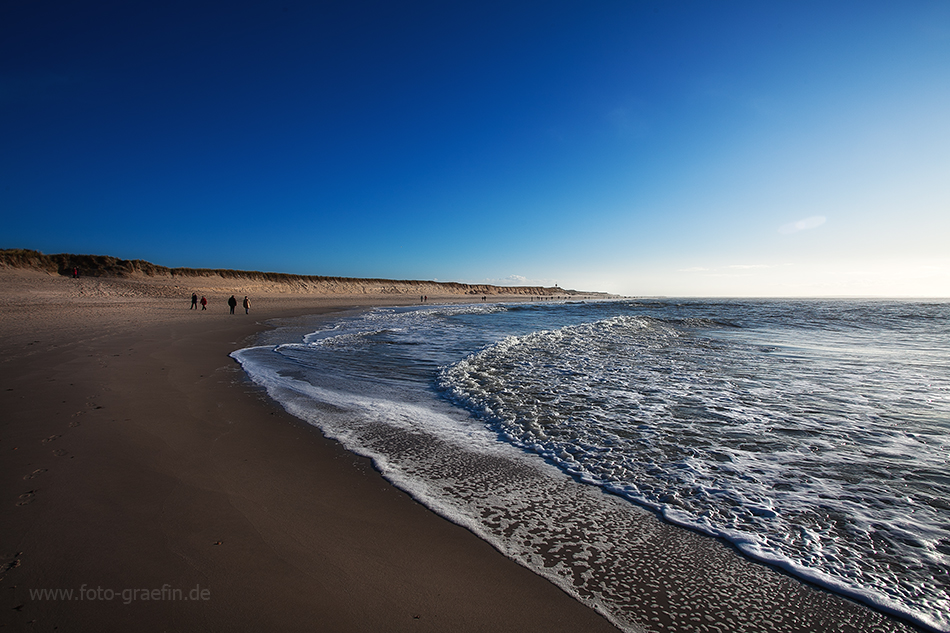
x: 139, y: 465
x: 142, y: 472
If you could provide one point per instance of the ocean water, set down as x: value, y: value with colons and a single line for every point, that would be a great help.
x: 812, y: 435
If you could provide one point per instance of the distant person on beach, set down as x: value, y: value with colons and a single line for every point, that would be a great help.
x: 247, y: 305
x: 75, y: 273
x: 204, y: 303
x: 233, y: 303
x: 194, y: 302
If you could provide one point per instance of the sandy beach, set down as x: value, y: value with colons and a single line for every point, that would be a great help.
x: 148, y: 484
x: 141, y: 469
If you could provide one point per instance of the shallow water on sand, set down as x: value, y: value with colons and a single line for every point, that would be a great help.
x: 812, y: 435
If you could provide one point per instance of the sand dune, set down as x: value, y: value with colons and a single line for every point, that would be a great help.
x: 119, y: 277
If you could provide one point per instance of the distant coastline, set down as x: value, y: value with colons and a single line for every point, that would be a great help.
x: 137, y: 270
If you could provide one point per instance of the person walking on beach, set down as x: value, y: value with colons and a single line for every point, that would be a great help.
x: 204, y: 303
x: 233, y: 303
x: 247, y: 305
x: 194, y: 302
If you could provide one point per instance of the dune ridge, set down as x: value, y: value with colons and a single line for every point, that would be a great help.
x: 155, y: 280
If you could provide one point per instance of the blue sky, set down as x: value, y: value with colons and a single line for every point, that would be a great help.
x: 642, y: 148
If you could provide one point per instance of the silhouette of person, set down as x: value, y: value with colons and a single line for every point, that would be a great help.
x: 194, y: 302
x: 233, y: 303
x: 204, y: 303
x: 247, y: 305
x: 75, y: 272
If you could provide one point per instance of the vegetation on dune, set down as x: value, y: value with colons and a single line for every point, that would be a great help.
x: 89, y: 265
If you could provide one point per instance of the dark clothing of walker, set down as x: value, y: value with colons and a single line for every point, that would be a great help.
x: 233, y: 303
x: 194, y: 302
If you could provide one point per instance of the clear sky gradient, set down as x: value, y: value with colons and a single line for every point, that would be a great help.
x: 637, y: 147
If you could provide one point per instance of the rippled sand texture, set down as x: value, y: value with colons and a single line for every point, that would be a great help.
x: 642, y: 573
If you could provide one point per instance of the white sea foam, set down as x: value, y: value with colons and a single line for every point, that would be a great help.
x: 777, y: 429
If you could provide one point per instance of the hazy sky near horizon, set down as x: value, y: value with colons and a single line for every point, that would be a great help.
x: 643, y: 148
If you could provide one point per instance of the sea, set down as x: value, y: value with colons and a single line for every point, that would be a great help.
x: 810, y: 435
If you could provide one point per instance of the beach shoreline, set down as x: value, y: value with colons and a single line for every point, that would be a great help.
x: 146, y: 475
x: 140, y: 463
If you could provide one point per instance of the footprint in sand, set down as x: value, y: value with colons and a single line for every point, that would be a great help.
x: 38, y: 471
x: 13, y: 564
x: 50, y: 439
x: 26, y: 497
x: 60, y: 452
x: 75, y: 423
